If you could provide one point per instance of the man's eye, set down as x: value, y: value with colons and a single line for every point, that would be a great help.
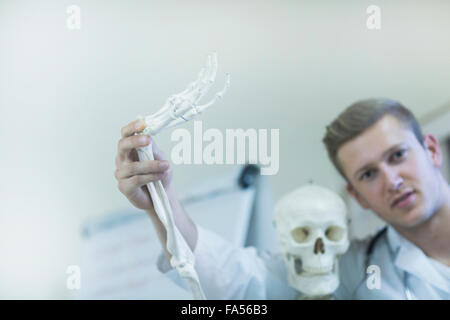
x: 398, y: 155
x: 367, y: 175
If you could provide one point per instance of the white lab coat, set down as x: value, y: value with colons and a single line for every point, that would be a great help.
x: 227, y: 272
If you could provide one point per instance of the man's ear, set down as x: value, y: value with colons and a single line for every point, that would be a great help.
x: 357, y: 197
x: 433, y: 149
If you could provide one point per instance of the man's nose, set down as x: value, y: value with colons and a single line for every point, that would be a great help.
x: 393, y: 180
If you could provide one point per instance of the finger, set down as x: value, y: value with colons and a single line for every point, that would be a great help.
x: 128, y: 186
x: 129, y: 143
x: 133, y: 127
x: 141, y: 168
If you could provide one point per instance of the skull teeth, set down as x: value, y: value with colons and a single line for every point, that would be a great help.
x: 298, y: 265
x: 301, y: 271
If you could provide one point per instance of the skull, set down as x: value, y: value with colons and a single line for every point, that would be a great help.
x: 311, y: 226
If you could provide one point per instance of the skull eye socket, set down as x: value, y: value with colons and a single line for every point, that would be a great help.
x: 334, y: 233
x: 300, y: 234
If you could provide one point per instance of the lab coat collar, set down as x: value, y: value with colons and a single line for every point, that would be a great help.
x: 411, y: 259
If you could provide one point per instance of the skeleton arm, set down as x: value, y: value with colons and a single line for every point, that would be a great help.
x: 177, y: 109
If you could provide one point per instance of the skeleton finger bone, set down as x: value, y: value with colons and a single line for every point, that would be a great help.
x: 191, y: 98
x: 175, y: 99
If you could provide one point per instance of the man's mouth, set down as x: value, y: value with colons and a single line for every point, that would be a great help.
x: 404, y: 200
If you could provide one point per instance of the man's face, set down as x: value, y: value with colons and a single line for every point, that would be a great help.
x: 391, y: 173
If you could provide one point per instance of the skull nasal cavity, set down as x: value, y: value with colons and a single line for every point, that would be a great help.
x: 319, y: 246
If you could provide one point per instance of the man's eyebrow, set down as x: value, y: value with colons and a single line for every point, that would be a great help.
x: 383, y: 156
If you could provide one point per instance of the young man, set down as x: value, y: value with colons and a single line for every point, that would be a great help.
x: 389, y: 167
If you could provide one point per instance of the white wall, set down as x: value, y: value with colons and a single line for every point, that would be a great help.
x: 64, y: 95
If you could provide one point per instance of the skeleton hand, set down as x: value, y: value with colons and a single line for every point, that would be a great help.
x: 183, y: 106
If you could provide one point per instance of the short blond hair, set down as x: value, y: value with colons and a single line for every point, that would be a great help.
x: 359, y: 117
